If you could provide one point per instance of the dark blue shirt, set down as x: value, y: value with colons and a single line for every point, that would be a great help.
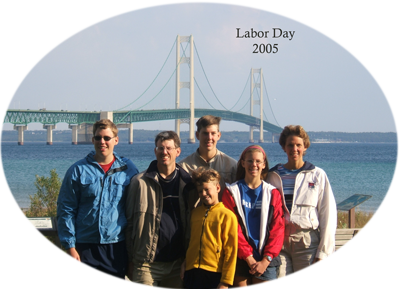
x: 170, y: 240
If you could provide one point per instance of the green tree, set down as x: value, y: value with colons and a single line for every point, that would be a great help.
x: 44, y: 201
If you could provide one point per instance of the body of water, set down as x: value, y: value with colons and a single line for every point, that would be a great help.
x: 352, y: 168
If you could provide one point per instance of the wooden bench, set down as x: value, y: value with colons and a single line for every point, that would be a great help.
x: 350, y: 240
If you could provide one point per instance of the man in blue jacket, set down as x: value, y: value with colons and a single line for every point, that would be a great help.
x: 91, y: 204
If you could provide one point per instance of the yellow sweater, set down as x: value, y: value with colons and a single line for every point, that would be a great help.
x: 213, y: 241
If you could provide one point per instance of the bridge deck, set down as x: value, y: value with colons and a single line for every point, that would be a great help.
x: 24, y: 117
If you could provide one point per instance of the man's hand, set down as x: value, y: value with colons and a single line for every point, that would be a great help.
x: 222, y: 286
x: 129, y: 271
x: 183, y: 268
x: 74, y: 254
x: 318, y: 261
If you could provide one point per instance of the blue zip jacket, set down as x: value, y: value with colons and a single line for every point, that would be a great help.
x: 91, y: 204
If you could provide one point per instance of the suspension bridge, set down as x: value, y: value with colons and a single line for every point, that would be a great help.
x: 80, y: 122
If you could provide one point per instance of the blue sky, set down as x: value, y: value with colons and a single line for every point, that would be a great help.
x: 311, y: 80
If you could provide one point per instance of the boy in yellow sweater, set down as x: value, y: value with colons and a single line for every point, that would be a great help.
x: 212, y: 252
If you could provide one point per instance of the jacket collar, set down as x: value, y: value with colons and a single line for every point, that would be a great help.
x: 306, y: 167
x: 151, y: 172
x: 211, y: 160
x: 212, y: 207
x: 117, y: 163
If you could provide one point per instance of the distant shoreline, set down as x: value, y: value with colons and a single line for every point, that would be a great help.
x: 337, y: 142
x: 221, y: 141
x: 143, y: 136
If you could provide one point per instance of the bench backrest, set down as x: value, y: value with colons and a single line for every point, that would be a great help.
x: 350, y: 240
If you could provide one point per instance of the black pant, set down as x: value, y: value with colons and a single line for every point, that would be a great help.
x: 201, y: 279
x: 108, y: 258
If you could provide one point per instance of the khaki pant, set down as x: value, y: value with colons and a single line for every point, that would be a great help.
x: 298, y: 251
x: 160, y: 274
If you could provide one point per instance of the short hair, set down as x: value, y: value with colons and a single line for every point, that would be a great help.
x: 207, y: 120
x: 104, y: 124
x: 202, y: 175
x: 295, y: 130
x: 240, y: 171
x: 167, y: 135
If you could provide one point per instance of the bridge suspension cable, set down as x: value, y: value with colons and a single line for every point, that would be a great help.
x: 272, y: 112
x: 266, y: 118
x: 162, y: 67
x: 248, y: 100
x: 265, y: 87
x: 123, y: 118
x: 240, y: 97
x: 184, y: 49
x: 195, y: 48
x: 198, y: 56
x: 195, y: 80
x: 202, y: 93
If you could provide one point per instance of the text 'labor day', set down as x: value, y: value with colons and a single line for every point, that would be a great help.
x: 268, y: 47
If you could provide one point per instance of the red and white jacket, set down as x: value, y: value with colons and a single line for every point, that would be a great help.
x: 272, y: 226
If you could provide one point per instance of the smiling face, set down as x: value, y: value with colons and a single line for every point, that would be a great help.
x: 166, y: 153
x: 208, y: 137
x: 294, y: 148
x: 208, y: 193
x: 104, y: 149
x: 253, y: 164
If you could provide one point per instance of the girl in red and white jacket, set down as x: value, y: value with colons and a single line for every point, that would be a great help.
x: 258, y: 207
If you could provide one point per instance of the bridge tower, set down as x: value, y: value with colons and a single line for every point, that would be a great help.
x: 185, y: 84
x: 253, y: 86
x: 83, y: 133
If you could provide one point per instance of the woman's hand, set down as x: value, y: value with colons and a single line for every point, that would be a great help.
x: 251, y: 261
x: 318, y: 261
x: 260, y: 267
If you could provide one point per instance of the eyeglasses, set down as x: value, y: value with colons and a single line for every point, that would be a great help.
x: 250, y: 162
x: 161, y: 149
x: 106, y: 138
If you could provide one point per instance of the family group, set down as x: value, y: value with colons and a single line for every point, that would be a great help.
x: 208, y: 221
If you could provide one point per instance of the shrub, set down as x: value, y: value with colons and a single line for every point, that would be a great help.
x: 43, y: 204
x: 44, y: 201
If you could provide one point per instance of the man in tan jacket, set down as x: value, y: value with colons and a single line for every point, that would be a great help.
x: 158, y: 208
x: 207, y: 155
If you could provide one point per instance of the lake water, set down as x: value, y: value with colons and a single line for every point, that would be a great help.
x: 352, y: 168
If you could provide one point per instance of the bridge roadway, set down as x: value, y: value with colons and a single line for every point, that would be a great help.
x: 52, y: 117
x: 80, y: 122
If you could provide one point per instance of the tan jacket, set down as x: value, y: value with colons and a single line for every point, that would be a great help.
x: 144, y: 205
x: 222, y: 163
